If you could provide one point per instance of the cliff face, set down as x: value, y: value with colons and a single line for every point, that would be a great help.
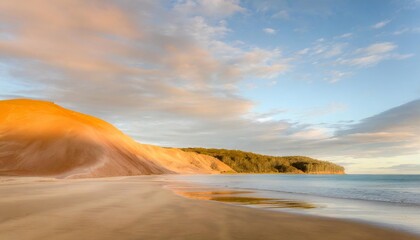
x: 40, y: 138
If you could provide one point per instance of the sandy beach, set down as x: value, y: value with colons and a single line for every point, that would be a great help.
x: 141, y: 208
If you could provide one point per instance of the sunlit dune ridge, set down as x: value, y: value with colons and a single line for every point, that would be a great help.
x: 39, y: 138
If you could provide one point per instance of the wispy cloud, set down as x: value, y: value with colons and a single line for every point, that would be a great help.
x: 322, y: 48
x: 334, y: 50
x: 381, y: 24
x: 318, y: 8
x: 334, y: 76
x: 209, y: 8
x: 374, y: 54
x: 270, y: 31
x: 325, y: 53
x: 407, y: 30
x: 345, y: 35
x: 377, y: 48
x: 303, y: 51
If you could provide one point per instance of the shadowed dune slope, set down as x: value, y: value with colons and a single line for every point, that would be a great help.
x: 39, y: 138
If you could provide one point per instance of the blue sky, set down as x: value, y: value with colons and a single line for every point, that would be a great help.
x: 348, y: 26
x: 336, y: 80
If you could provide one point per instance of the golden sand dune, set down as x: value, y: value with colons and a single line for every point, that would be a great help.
x: 39, y: 138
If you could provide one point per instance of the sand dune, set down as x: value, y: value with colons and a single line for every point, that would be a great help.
x: 40, y: 138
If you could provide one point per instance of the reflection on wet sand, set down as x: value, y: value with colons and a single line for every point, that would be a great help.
x: 242, y: 198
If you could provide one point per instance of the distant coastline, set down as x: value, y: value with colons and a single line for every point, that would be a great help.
x: 248, y: 162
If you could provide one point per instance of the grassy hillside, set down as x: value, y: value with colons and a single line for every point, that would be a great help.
x: 247, y: 162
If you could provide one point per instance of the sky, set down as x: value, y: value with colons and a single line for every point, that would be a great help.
x: 337, y: 80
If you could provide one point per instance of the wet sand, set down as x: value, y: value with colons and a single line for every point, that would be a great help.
x: 141, y: 208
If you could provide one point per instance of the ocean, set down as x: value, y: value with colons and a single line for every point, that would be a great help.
x: 387, y: 200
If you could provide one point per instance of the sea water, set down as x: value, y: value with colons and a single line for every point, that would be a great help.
x: 390, y: 200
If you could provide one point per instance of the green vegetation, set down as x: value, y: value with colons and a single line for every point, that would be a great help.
x: 247, y: 162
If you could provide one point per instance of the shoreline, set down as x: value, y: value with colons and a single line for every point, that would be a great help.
x: 256, y: 194
x: 398, y: 216
x: 141, y: 208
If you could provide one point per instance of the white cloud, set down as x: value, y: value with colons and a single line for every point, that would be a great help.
x: 381, y: 24
x: 334, y: 76
x: 269, y: 31
x: 303, y: 51
x: 334, y: 50
x: 366, y: 61
x: 407, y: 30
x: 338, y: 58
x: 374, y: 54
x: 378, y: 48
x: 402, y: 56
x: 401, y: 31
x: 263, y: 63
x: 345, y: 35
x: 325, y: 53
x: 323, y: 49
x: 203, y: 31
x: 312, y: 134
x: 209, y: 8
